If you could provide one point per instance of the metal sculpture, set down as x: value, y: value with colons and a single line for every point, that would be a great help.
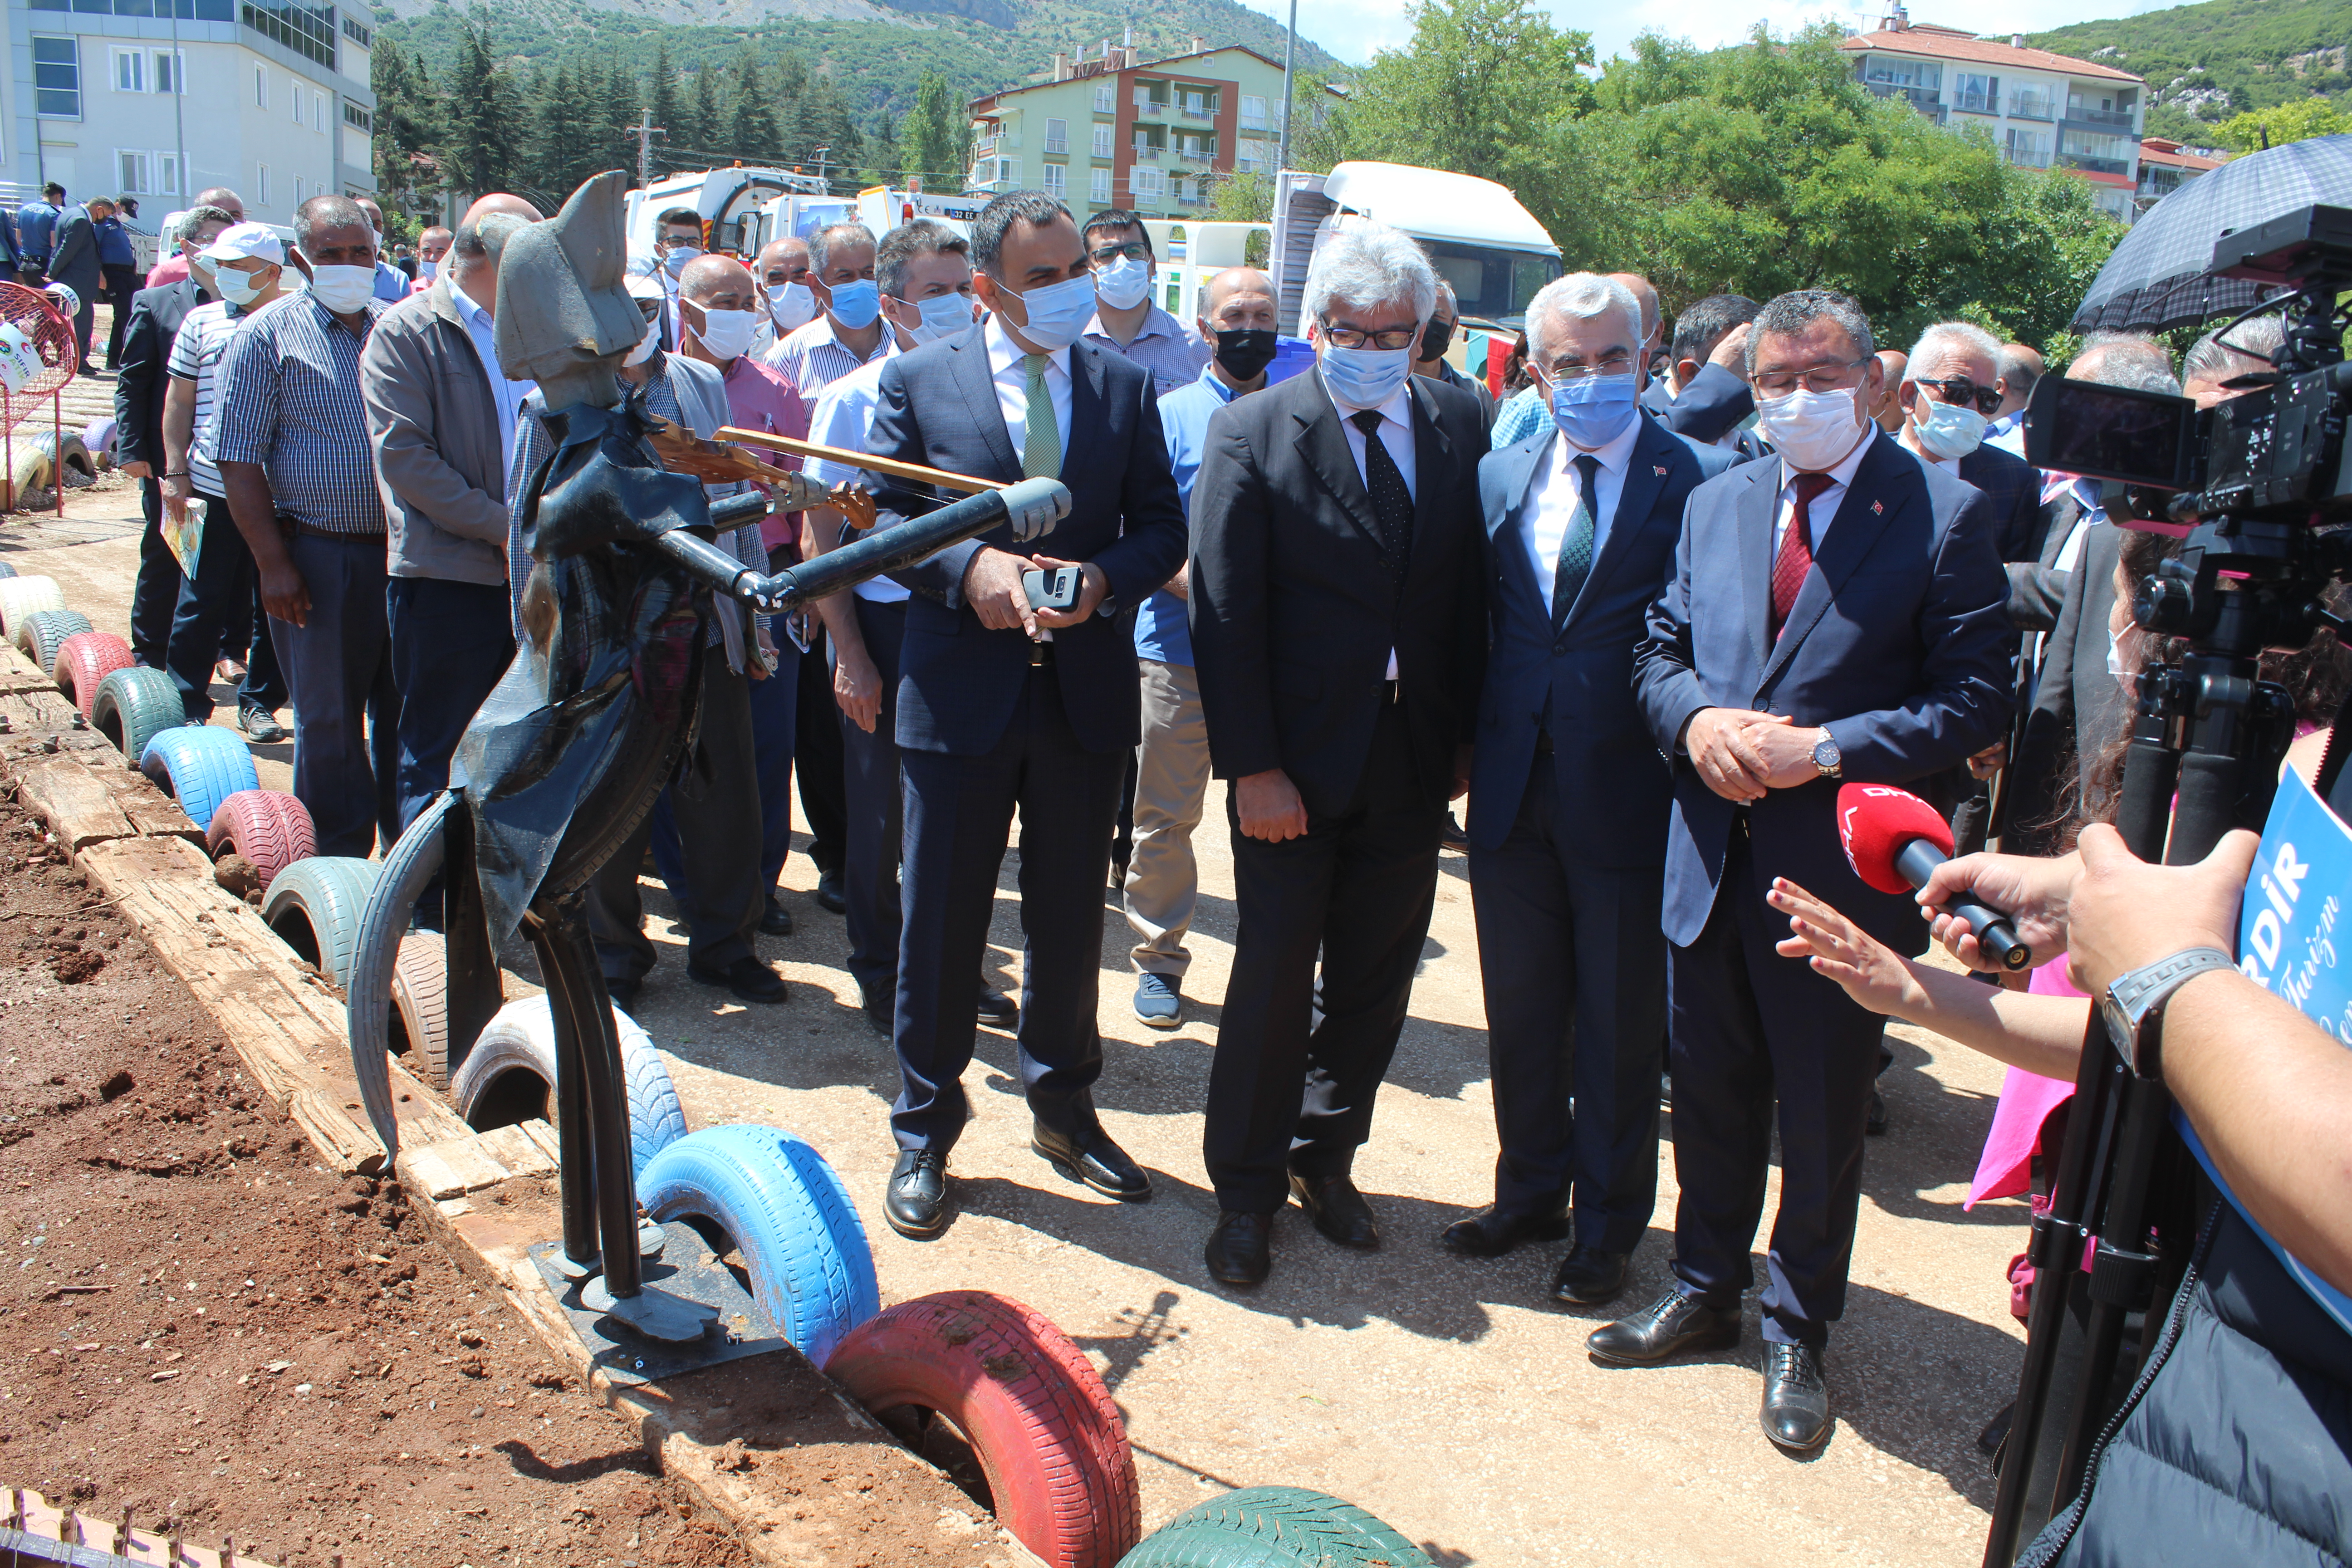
x: 598, y: 711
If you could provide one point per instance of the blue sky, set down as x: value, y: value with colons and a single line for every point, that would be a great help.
x: 1354, y: 29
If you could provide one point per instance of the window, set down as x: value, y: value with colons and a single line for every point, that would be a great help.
x: 1106, y: 98
x: 129, y: 71
x: 355, y: 33
x: 263, y: 169
x: 297, y: 190
x: 171, y: 71
x: 1145, y: 183
x: 1249, y: 154
x: 56, y: 79
x: 1975, y: 93
x: 167, y: 173
x: 2027, y: 149
x: 190, y: 10
x: 1898, y: 72
x: 1187, y: 190
x: 1058, y: 136
x: 1252, y: 112
x: 317, y: 112
x: 309, y: 32
x: 1102, y: 138
x: 1146, y: 150
x: 1199, y: 106
x: 135, y: 171
x: 357, y: 118
x: 260, y: 86
x: 1099, y: 189
x: 1057, y: 181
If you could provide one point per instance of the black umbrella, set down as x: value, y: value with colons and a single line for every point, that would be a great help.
x: 2157, y: 279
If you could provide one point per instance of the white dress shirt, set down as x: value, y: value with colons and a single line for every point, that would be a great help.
x: 1823, y: 510
x: 1949, y: 465
x: 509, y: 393
x: 845, y: 413
x: 1553, y: 495
x: 1008, y: 368
x: 1396, y: 435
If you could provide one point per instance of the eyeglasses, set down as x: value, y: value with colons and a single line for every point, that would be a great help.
x: 1133, y: 250
x: 1608, y: 365
x: 648, y: 308
x: 671, y: 241
x: 1356, y: 338
x: 1820, y: 378
x: 1962, y: 390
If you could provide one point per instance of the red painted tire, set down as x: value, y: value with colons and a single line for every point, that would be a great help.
x: 85, y: 658
x: 268, y: 827
x: 1044, y: 1427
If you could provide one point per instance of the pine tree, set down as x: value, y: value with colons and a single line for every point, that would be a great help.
x: 407, y: 127
x: 478, y: 151
x: 750, y: 132
x: 705, y: 121
x: 821, y: 123
x: 932, y: 140
x: 662, y: 100
x: 621, y: 109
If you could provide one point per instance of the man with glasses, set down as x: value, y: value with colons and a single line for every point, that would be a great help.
x: 1949, y: 393
x: 1126, y: 321
x: 1338, y: 637
x: 1568, y: 804
x: 1834, y: 613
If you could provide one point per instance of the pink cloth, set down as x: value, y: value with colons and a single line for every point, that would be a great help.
x: 2027, y: 1100
x: 171, y: 270
x: 760, y: 398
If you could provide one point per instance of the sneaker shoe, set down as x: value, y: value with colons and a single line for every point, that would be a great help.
x: 1159, y: 1000
x: 260, y: 725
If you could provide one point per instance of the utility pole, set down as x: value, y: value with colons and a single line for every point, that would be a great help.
x: 185, y: 189
x: 1289, y: 49
x: 647, y: 131
x: 822, y: 160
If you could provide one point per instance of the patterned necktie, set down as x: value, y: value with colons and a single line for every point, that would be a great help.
x: 1041, y: 441
x: 1392, y: 501
x: 1575, y: 545
x: 1796, y: 557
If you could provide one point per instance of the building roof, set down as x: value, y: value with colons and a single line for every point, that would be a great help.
x: 1087, y: 71
x: 1950, y: 44
x: 2156, y: 150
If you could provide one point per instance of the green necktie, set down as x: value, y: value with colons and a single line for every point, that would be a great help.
x: 1040, y: 445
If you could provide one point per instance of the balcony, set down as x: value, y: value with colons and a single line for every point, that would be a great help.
x: 1199, y: 112
x: 2027, y: 157
x: 2021, y: 107
x: 2090, y: 165
x: 985, y: 146
x: 1975, y: 103
x: 1146, y: 153
x: 1253, y: 123
x: 2119, y: 118
x: 1147, y: 201
x: 1917, y: 97
x: 1150, y: 108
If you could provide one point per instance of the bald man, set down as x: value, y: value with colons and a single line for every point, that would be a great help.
x: 221, y: 196
x: 783, y: 268
x: 719, y: 310
x: 1236, y: 321
x: 1645, y: 294
x: 1888, y: 410
x: 501, y: 202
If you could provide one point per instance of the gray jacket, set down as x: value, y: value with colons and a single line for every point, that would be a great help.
x: 433, y: 421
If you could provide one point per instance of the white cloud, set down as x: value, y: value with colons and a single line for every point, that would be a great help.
x: 1356, y: 29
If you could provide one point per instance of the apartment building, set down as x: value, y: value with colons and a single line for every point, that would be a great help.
x: 2165, y: 166
x: 1115, y: 132
x: 2041, y: 109
x: 121, y: 97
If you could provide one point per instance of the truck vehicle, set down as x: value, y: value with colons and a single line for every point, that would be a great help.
x: 729, y: 201
x: 1481, y: 240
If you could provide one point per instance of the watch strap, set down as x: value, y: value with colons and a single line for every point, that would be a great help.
x: 2134, y: 1003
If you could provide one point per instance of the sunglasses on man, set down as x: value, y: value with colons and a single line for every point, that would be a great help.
x: 1963, y: 392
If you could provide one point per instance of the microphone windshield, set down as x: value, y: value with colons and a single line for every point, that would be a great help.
x: 1875, y: 821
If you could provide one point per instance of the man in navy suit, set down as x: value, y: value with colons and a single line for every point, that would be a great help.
x: 1002, y: 706
x: 1835, y: 613
x: 1705, y: 397
x: 1568, y: 797
x: 1338, y: 637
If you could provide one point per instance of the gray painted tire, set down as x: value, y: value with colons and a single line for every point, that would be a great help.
x: 199, y: 765
x: 409, y: 867
x: 420, y: 1006
x: 314, y: 907
x: 133, y: 707
x: 1275, y: 1527
x: 521, y: 1040
x: 42, y: 632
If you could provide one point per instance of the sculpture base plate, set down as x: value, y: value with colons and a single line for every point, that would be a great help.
x: 652, y: 1312
x: 687, y: 1270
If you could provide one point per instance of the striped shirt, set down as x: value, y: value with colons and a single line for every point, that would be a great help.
x: 812, y: 359
x: 289, y: 399
x: 195, y: 356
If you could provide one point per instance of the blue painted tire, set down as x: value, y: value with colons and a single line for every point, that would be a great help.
x: 133, y: 707
x: 6, y: 570
x: 1275, y: 1527
x: 520, y: 1039
x: 314, y: 907
x: 199, y: 765
x: 42, y: 632
x: 802, y: 1242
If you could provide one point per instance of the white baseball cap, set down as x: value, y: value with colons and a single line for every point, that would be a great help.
x: 246, y: 239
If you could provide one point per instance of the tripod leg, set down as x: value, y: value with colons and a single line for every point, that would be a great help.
x: 544, y: 926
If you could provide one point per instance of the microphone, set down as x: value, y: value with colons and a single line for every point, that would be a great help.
x: 1893, y: 840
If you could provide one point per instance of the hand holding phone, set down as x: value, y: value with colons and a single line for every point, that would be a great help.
x: 1054, y: 590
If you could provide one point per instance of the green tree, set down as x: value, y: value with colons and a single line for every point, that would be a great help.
x: 615, y: 114
x: 821, y: 123
x: 932, y: 140
x: 663, y: 99
x: 704, y: 126
x: 407, y: 128
x: 2297, y: 121
x: 750, y: 132
x: 478, y: 145
x: 558, y: 164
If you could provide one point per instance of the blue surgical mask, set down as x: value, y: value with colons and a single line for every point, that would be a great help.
x: 1365, y: 378
x: 1059, y: 312
x: 1592, y: 411
x: 856, y: 303
x: 428, y: 268
x: 1123, y: 284
x: 676, y: 256
x: 944, y: 315
x: 1951, y: 430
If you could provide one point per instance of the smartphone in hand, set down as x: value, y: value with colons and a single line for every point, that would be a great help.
x: 1054, y: 590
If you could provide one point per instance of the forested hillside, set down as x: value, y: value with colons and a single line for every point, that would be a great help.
x: 2206, y: 62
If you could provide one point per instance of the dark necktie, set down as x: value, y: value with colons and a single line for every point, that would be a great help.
x: 1575, y: 545
x: 1796, y: 556
x: 1392, y: 502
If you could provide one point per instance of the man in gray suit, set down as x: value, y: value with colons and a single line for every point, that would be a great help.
x: 74, y: 263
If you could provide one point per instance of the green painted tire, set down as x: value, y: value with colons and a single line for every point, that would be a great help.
x: 1275, y: 1527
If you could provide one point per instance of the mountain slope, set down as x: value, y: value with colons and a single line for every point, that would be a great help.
x: 2206, y: 62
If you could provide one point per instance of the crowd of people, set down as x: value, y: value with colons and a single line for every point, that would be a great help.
x: 1648, y: 607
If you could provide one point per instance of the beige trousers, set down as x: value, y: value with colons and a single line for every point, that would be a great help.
x: 1171, y: 784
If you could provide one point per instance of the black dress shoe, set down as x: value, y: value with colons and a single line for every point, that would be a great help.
x: 1873, y: 1121
x: 1241, y: 1249
x: 747, y: 980
x: 996, y: 1009
x: 829, y: 895
x: 1666, y: 1326
x: 1796, y: 1401
x: 917, y: 1201
x: 777, y: 920
x: 623, y: 992
x: 881, y: 1011
x: 1490, y: 1233
x: 1588, y: 1277
x: 1089, y: 1156
x: 1338, y: 1209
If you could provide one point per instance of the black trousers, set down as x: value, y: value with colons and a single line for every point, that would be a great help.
x: 817, y: 759
x: 1574, y: 968
x: 875, y: 814
x: 216, y: 614
x: 155, y: 591
x: 451, y: 643
x: 1751, y: 1031
x: 1287, y: 1094
x: 717, y: 809
x: 957, y: 811
x: 121, y: 283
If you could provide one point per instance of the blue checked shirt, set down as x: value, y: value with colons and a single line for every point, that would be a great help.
x: 289, y: 398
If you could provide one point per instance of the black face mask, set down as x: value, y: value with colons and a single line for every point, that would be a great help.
x: 1245, y: 351
x: 1436, y: 339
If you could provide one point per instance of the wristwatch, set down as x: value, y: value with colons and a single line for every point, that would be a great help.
x: 1827, y: 758
x: 2133, y: 1005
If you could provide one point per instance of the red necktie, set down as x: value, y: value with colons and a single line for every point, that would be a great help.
x: 1796, y: 557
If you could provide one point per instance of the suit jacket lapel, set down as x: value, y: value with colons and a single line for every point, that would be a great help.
x: 1870, y: 502
x: 972, y: 374
x: 1432, y: 459
x: 1646, y: 468
x: 1514, y: 470
x: 1324, y: 446
x: 1756, y: 508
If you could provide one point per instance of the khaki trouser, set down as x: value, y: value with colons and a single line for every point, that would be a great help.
x: 1171, y: 784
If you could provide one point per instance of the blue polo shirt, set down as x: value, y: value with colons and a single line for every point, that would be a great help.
x: 1162, y: 631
